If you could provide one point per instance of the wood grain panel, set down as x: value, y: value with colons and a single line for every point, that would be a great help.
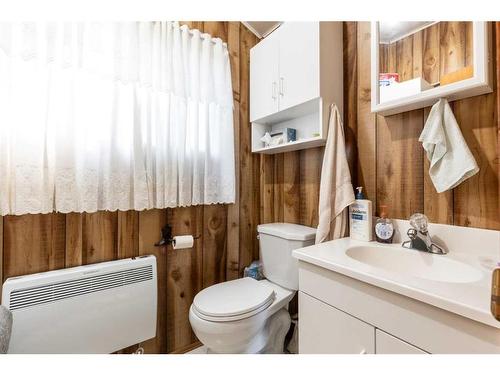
x: 291, y: 187
x: 430, y: 54
x: 310, y: 173
x: 249, y: 206
x: 150, y: 224
x: 99, y: 237
x: 233, y: 210
x: 278, y: 188
x: 33, y: 243
x: 184, y: 276
x: 266, y: 188
x: 350, y: 35
x: 128, y: 234
x: 497, y: 47
x: 74, y: 240
x: 399, y: 164
x: 404, y: 59
x: 233, y: 45
x: 476, y: 201
x: 417, y: 56
x: 214, y: 228
x: 366, y: 129
x: 452, y: 46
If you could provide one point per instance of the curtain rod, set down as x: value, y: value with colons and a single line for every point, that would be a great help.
x: 191, y: 32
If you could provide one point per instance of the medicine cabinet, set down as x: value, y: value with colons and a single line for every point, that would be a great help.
x: 413, y: 64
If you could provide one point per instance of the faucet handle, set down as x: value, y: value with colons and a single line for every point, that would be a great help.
x: 419, y: 222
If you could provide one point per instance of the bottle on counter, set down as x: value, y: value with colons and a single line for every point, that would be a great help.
x: 384, y: 229
x: 360, y: 213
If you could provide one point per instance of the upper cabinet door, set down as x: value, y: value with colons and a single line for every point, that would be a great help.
x: 264, y: 77
x: 298, y: 63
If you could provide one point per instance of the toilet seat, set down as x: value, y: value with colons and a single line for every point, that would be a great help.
x: 233, y: 300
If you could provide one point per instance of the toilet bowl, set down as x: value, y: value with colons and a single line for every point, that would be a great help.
x: 251, y: 331
x: 250, y: 316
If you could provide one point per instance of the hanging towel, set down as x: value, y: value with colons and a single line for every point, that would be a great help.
x: 335, y: 192
x: 5, y: 329
x: 451, y: 161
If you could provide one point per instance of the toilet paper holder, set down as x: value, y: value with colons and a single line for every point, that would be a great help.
x: 166, y: 236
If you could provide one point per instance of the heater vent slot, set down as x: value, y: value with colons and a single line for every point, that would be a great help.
x: 24, y: 298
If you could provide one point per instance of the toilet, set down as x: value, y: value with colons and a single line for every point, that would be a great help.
x: 250, y: 316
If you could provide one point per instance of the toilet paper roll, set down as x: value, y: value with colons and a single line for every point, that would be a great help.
x: 183, y: 242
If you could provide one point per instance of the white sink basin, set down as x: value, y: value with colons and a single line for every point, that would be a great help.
x: 415, y: 263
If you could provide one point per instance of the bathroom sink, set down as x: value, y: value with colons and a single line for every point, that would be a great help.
x: 415, y: 263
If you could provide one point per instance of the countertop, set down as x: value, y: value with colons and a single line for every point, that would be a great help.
x: 468, y: 299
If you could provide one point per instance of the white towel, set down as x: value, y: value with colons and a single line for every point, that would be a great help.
x: 335, y: 192
x: 451, y: 161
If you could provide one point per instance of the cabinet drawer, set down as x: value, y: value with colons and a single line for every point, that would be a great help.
x: 324, y: 329
x: 388, y: 344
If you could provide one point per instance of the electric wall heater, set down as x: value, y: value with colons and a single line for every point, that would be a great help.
x: 98, y: 308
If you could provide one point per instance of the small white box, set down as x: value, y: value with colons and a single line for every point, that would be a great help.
x: 403, y: 89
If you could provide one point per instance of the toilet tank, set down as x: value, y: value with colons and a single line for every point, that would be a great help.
x: 277, y: 241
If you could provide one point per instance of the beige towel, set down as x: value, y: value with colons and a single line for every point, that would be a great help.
x: 335, y: 192
x: 451, y: 161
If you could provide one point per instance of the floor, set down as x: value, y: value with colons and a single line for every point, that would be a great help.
x: 199, y: 350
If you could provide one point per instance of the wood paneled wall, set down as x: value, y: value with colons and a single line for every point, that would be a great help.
x: 384, y: 153
x: 227, y: 243
x: 431, y: 53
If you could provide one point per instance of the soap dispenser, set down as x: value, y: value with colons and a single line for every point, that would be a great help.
x: 384, y: 229
x: 360, y: 214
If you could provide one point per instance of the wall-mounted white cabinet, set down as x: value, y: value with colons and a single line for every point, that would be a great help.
x: 295, y: 75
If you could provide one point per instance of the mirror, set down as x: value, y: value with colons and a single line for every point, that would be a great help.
x: 417, y: 56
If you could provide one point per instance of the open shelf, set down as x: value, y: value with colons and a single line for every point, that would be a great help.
x: 307, y: 119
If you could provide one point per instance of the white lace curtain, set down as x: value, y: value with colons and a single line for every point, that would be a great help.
x: 107, y: 116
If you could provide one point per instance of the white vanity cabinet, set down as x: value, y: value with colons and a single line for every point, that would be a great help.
x: 339, y: 314
x: 296, y: 73
x: 388, y: 344
x: 324, y: 329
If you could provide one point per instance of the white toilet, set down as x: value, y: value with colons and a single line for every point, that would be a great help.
x: 250, y: 316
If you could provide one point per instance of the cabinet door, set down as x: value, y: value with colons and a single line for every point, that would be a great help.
x: 325, y: 330
x: 298, y: 63
x: 388, y: 344
x: 264, y: 77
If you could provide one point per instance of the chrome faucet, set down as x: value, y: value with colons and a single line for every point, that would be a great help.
x: 419, y: 236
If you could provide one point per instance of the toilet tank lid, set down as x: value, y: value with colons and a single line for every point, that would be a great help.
x: 288, y: 231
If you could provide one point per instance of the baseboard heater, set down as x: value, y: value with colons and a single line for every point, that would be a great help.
x: 98, y: 308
